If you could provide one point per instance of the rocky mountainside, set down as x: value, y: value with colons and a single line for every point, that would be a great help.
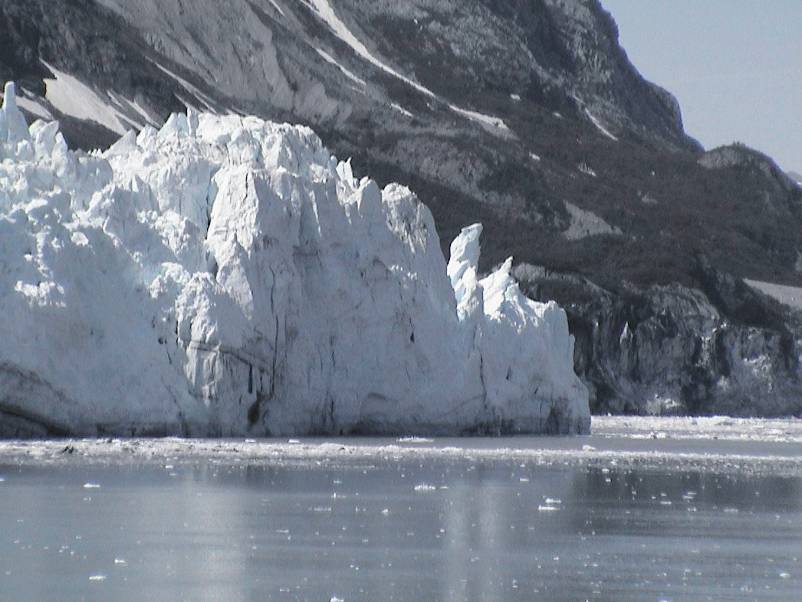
x: 525, y: 115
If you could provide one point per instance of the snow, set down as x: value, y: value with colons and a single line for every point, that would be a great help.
x: 149, y: 119
x: 227, y: 276
x: 70, y: 96
x: 788, y: 295
x: 135, y: 113
x: 326, y: 12
x: 207, y: 102
x: 600, y: 126
x: 33, y: 107
x: 329, y: 59
x: 125, y: 109
x: 481, y: 118
x: 277, y: 7
x: 401, y: 109
x: 586, y: 223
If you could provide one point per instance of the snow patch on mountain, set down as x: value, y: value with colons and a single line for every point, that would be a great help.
x: 72, y: 97
x: 586, y: 223
x: 326, y: 12
x: 331, y: 60
x: 33, y: 106
x: 401, y: 109
x: 600, y: 126
x: 278, y: 8
x: 488, y: 120
x: 200, y: 97
x: 788, y: 295
x: 227, y: 276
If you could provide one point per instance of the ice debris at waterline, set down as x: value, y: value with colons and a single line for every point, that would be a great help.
x: 226, y: 276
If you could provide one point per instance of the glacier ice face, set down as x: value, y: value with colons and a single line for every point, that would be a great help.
x: 227, y: 276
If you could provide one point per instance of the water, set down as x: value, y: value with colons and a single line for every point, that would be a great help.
x: 198, y: 527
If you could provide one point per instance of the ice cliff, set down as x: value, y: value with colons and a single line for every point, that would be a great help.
x: 227, y: 276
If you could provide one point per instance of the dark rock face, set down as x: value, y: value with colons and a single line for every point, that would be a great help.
x: 523, y: 114
x: 670, y: 350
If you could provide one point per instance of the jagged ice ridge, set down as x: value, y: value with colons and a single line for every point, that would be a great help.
x: 227, y: 276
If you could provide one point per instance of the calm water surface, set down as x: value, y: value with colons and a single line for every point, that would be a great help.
x: 444, y: 529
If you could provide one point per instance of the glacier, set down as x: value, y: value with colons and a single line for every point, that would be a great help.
x: 227, y: 276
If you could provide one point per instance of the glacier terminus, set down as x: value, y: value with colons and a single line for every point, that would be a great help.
x: 227, y: 276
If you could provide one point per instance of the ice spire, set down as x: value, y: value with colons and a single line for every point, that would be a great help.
x: 12, y: 125
x: 192, y: 120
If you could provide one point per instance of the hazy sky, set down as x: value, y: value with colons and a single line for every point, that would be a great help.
x: 734, y: 65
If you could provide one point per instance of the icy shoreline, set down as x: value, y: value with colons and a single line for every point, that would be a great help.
x: 717, y: 444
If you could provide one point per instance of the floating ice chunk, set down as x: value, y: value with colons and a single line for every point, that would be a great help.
x: 424, y: 487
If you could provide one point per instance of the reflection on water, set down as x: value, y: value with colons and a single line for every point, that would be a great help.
x: 447, y: 530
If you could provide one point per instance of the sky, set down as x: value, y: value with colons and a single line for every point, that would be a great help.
x: 734, y: 65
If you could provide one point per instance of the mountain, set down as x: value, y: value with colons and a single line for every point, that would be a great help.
x: 524, y: 115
